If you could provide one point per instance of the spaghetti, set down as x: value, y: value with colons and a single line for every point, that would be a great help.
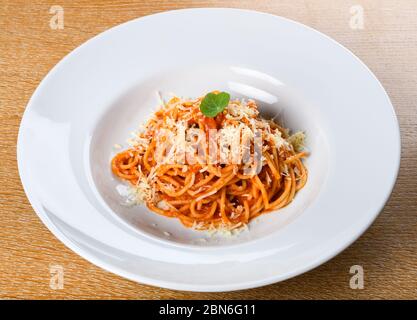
x: 206, y: 194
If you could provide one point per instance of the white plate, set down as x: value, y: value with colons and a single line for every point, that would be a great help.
x: 101, y: 91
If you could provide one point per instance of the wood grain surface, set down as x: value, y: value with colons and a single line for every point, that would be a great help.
x: 29, y: 48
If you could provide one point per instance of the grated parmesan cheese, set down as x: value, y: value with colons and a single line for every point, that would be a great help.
x: 163, y: 205
x: 297, y: 140
x: 279, y: 140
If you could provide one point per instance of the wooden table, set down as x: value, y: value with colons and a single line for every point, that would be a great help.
x: 29, y: 48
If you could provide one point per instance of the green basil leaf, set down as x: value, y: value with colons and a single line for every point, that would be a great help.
x: 214, y: 103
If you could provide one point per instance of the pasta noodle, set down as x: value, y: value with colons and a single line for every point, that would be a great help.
x: 209, y: 194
